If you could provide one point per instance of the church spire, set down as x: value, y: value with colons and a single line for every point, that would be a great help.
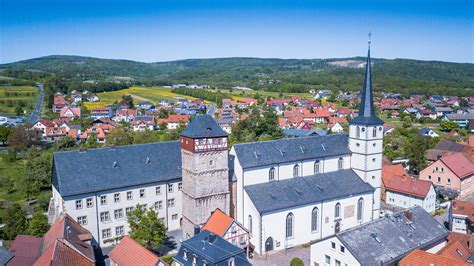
x: 367, y: 109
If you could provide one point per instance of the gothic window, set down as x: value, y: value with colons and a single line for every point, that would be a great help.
x: 374, y: 132
x: 340, y: 163
x: 316, y: 167
x: 296, y: 170
x: 337, y: 210
x: 271, y: 174
x: 314, y: 219
x: 360, y: 209
x: 357, y: 132
x: 289, y: 225
x: 250, y: 223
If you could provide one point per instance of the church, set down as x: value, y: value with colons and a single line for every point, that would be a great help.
x: 286, y: 192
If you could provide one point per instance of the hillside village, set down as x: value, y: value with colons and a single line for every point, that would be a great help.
x: 349, y: 179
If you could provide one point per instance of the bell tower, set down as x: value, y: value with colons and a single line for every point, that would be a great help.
x: 205, y: 172
x: 366, y: 140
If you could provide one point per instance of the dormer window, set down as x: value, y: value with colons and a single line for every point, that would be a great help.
x: 194, y: 260
x: 185, y: 255
x: 296, y: 170
x: 271, y: 174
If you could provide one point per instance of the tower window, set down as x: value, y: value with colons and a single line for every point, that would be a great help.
x: 357, y: 132
x: 373, y: 159
x: 250, y: 223
x: 289, y: 225
x: 340, y: 163
x: 314, y: 219
x: 374, y: 132
x: 211, y: 162
x: 337, y: 210
x: 316, y: 167
x: 360, y: 206
x: 271, y: 174
x: 296, y: 170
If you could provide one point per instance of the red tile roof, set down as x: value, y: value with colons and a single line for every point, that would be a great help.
x: 130, y: 252
x: 391, y: 170
x: 422, y: 258
x: 465, y: 208
x: 322, y: 113
x: 26, y: 250
x: 408, y: 185
x: 455, y: 250
x: 62, y: 253
x: 459, y: 164
x: 47, y: 123
x: 76, y: 111
x: 466, y: 240
x: 218, y: 223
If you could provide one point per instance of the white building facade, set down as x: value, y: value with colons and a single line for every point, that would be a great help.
x: 405, y: 200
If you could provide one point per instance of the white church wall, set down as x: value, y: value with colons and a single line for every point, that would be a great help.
x: 330, y: 249
x: 255, y: 226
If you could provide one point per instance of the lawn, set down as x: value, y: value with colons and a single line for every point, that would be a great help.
x: 13, y: 96
x: 152, y: 94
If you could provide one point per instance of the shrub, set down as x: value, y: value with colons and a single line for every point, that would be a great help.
x: 167, y: 259
x: 296, y: 262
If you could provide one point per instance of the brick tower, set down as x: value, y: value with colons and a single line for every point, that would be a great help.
x: 205, y: 172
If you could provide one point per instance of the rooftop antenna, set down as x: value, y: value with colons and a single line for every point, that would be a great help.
x: 370, y: 36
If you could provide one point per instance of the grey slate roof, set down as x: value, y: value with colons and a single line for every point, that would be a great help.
x: 303, y: 132
x: 5, y: 256
x: 299, y: 191
x: 396, y: 234
x: 255, y: 154
x: 78, y: 172
x: 213, y: 249
x: 203, y: 126
x: 366, y: 110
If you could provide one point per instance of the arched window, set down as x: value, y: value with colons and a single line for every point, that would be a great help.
x: 296, y: 170
x: 316, y: 167
x: 357, y: 132
x: 374, y: 132
x: 289, y: 225
x: 250, y: 223
x: 337, y: 210
x: 314, y: 219
x: 271, y: 174
x: 340, y: 163
x: 360, y: 209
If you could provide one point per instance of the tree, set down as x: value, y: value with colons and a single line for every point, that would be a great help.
x: 20, y: 138
x: 119, y: 137
x: 37, y: 174
x: 127, y: 100
x: 146, y: 228
x: 15, y: 221
x: 448, y: 125
x: 163, y: 126
x: 18, y: 110
x: 38, y: 225
x: 415, y: 152
x: 296, y: 262
x: 4, y: 133
x: 407, y: 122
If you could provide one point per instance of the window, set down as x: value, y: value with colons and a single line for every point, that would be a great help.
x: 316, y: 167
x: 159, y: 205
x: 128, y: 210
x: 439, y: 179
x: 328, y: 259
x: 449, y: 181
x: 231, y: 262
x: 296, y: 170
x: 250, y: 223
x: 104, y: 216
x: 90, y: 203
x: 119, y: 230
x: 429, y: 177
x: 211, y: 162
x: 374, y: 132
x: 78, y: 204
x: 129, y: 195
x: 118, y: 213
x: 170, y: 188
x: 158, y: 190
x: 360, y: 209
x: 106, y: 233
x: 204, y: 263
x: 357, y: 132
x: 271, y: 174
x: 174, y: 217
x: 194, y: 260
x: 170, y: 203
x: 343, y: 249
x: 117, y: 197
x: 82, y: 220
x: 340, y: 163
x: 289, y: 225
x: 185, y: 255
x: 314, y: 219
x: 142, y: 193
x: 337, y: 210
x: 143, y: 207
x: 338, y: 263
x: 103, y: 200
x: 180, y: 186
x: 333, y: 245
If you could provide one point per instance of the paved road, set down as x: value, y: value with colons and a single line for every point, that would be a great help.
x: 35, y: 115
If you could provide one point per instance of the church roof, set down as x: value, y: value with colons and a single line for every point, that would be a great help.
x: 263, y: 153
x: 203, y: 126
x: 300, y: 191
x: 79, y: 172
x: 367, y: 110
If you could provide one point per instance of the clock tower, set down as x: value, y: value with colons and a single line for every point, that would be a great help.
x: 205, y: 172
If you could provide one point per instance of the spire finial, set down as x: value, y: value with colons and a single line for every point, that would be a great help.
x: 370, y: 36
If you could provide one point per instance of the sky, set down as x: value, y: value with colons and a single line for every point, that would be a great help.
x: 157, y: 30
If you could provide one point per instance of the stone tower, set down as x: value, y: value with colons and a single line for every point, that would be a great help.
x: 205, y: 172
x: 366, y: 140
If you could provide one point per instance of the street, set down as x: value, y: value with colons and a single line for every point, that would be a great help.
x: 35, y: 113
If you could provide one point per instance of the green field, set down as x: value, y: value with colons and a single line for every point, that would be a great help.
x: 13, y: 96
x: 152, y: 94
x: 238, y: 94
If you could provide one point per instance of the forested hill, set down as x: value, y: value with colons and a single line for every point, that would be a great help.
x: 288, y: 75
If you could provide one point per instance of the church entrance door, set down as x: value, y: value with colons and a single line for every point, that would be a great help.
x: 269, y: 244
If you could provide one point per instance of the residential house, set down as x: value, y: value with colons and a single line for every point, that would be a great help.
x: 172, y: 122
x: 70, y: 112
x: 323, y: 94
x: 335, y: 127
x: 426, y: 113
x: 446, y: 146
x: 384, y: 241
x: 98, y: 132
x: 322, y: 115
x: 92, y: 98
x: 206, y: 248
x: 101, y: 112
x: 423, y: 258
x: 130, y: 252
x: 336, y: 122
x: 452, y: 171
x: 343, y: 112
x: 441, y: 111
x: 461, y: 119
x: 65, y: 243
x: 145, y: 105
x: 58, y: 103
x: 226, y: 227
x: 427, y: 132
x: 387, y: 129
x: 461, y: 217
x: 125, y: 115
x: 41, y: 126
x: 142, y: 123
x: 406, y: 192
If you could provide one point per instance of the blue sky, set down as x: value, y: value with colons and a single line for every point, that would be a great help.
x: 150, y: 31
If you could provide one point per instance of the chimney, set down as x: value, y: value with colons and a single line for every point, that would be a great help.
x: 212, y: 237
x: 197, y: 230
x: 408, y: 214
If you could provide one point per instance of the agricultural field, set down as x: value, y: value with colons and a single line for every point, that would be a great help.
x: 238, y: 94
x: 151, y: 94
x: 14, y: 96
